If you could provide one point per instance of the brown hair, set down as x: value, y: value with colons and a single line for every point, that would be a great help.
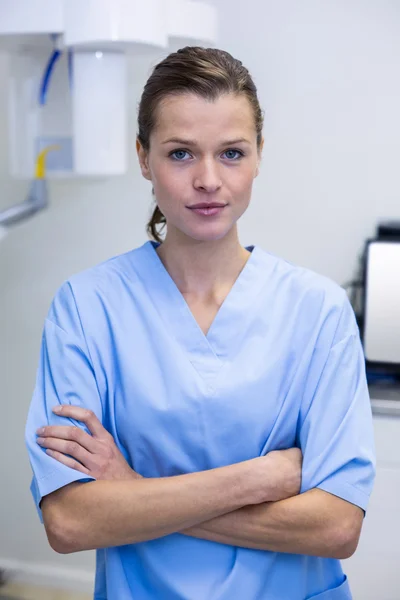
x: 207, y: 72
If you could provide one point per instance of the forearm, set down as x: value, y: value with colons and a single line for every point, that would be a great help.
x: 98, y: 514
x: 314, y: 523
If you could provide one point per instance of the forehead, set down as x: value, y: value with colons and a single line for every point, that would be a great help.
x: 187, y: 113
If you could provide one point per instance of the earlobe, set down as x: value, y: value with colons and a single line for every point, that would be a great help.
x: 145, y: 169
x: 146, y: 172
x: 143, y: 161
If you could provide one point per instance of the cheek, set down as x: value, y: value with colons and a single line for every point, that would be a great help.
x: 242, y: 184
x: 170, y: 180
x: 171, y: 191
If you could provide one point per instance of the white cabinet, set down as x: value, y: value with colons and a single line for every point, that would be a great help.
x: 374, y: 570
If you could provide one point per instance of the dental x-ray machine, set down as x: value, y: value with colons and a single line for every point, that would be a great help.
x: 67, y: 81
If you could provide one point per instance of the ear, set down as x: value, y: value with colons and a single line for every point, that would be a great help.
x: 143, y: 160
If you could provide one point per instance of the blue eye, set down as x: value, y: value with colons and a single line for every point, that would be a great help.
x: 178, y: 152
x: 235, y: 151
x: 181, y: 152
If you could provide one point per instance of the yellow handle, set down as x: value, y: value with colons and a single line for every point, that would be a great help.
x: 40, y: 168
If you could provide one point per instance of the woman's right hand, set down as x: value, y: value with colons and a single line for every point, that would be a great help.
x: 278, y: 474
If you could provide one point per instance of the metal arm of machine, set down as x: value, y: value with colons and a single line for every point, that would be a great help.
x: 37, y: 198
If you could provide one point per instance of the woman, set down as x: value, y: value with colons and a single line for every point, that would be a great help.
x: 192, y: 383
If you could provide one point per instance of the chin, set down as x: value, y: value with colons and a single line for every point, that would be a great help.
x: 214, y: 234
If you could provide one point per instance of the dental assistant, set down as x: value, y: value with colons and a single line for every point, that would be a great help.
x: 201, y: 414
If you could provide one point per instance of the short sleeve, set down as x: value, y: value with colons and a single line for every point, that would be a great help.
x: 336, y: 431
x: 64, y: 376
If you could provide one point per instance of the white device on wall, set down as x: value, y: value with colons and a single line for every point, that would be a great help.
x: 81, y: 46
x: 85, y: 112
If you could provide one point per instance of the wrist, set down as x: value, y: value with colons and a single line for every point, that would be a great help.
x: 254, y: 481
x: 264, y: 479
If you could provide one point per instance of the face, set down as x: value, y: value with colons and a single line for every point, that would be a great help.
x: 202, y: 152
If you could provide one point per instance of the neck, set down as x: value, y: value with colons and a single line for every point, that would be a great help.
x: 203, y: 268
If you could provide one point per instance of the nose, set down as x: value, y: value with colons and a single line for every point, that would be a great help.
x: 207, y: 177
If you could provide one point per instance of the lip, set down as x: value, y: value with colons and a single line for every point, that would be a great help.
x: 208, y: 205
x: 209, y: 211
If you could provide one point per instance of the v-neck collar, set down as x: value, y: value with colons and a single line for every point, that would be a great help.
x: 208, y: 352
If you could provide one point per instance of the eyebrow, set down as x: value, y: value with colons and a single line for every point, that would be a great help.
x: 176, y: 140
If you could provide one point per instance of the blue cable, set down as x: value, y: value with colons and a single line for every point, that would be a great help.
x: 50, y: 68
x: 47, y: 76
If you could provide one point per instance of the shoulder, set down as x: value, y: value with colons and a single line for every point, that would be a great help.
x: 106, y: 272
x: 98, y: 284
x: 313, y: 297
x: 302, y: 281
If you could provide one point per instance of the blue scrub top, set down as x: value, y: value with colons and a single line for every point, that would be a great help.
x: 281, y: 366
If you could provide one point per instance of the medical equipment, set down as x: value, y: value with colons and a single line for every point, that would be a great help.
x: 67, y: 76
x: 37, y: 197
x: 375, y: 296
x: 381, y: 300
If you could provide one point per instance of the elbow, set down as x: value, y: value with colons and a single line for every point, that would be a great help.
x: 58, y: 544
x: 345, y: 539
x: 62, y: 533
x: 60, y: 541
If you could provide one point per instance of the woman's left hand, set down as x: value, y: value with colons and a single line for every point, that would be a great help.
x: 96, y: 455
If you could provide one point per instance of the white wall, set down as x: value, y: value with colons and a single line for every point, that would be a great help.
x: 327, y: 75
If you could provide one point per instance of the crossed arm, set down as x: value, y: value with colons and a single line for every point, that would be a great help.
x: 313, y: 523
x: 224, y: 505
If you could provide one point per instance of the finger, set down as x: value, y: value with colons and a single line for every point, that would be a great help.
x: 69, y: 432
x: 82, y: 414
x: 67, y: 447
x: 67, y: 461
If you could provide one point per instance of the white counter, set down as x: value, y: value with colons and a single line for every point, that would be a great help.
x: 374, y: 570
